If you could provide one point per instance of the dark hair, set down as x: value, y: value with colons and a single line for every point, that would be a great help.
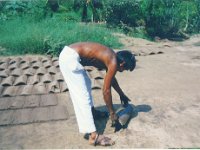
x: 128, y: 58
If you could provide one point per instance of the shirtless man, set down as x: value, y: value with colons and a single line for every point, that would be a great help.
x: 71, y: 61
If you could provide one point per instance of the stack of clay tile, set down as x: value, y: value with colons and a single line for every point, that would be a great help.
x: 32, y: 75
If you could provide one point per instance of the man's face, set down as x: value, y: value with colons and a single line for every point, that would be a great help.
x: 121, y: 67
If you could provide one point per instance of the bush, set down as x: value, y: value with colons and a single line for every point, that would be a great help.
x: 124, y: 12
x: 169, y: 18
x: 23, y: 36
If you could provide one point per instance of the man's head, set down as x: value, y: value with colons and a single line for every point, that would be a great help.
x: 125, y: 60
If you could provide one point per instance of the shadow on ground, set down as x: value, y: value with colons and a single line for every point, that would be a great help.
x: 101, y: 124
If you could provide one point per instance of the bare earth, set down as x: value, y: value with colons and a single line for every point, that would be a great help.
x: 165, y: 92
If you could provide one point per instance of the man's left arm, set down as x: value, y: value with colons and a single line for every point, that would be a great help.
x: 124, y: 99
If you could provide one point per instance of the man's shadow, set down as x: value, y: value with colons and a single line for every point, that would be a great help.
x: 102, y: 123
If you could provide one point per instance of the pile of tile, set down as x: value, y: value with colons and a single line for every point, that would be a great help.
x: 35, y: 75
x: 32, y: 89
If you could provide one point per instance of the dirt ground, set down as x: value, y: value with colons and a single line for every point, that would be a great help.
x: 165, y: 92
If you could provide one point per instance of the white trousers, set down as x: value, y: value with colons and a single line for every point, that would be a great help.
x: 79, y: 85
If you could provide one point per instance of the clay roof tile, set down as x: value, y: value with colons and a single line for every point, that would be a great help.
x: 63, y: 87
x: 59, y: 77
x: 39, y: 88
x: 25, y: 65
x: 33, y: 79
x: 8, y: 81
x: 53, y: 87
x: 56, y: 64
x: 37, y: 65
x: 4, y: 73
x: 41, y: 71
x: 22, y: 80
x: 47, y: 78
x: 52, y: 70
x: 14, y: 65
x: 47, y: 64
x: 3, y: 66
x: 26, y: 90
x: 16, y: 72
x: 15, y: 60
x: 10, y: 91
x: 54, y: 59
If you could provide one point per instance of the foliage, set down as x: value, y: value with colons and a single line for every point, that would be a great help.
x: 49, y: 35
x: 45, y: 26
x: 166, y: 18
x: 124, y: 11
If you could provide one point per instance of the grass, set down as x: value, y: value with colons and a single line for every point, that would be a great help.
x: 25, y: 36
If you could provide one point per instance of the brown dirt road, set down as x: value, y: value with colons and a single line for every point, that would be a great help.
x: 164, y: 89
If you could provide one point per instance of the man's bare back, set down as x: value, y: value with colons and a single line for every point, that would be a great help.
x: 94, y: 54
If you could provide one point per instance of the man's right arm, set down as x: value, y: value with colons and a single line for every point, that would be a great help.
x: 107, y: 89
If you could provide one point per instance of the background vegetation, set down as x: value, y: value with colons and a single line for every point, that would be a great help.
x: 45, y: 26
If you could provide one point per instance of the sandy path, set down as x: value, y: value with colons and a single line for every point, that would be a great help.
x: 165, y: 91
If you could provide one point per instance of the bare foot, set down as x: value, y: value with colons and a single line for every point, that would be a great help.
x: 101, y: 140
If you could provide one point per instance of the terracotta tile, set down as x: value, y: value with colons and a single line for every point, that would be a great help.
x: 56, y: 64
x: 23, y: 116
x: 5, y: 60
x: 58, y: 113
x: 41, y: 71
x: 63, y: 86
x: 30, y: 72
x: 25, y: 90
x: 2, y: 61
x: 37, y: 65
x: 25, y: 60
x: 3, y: 66
x: 16, y: 72
x: 6, y: 117
x: 8, y: 81
x: 5, y: 103
x: 15, y: 60
x: 54, y: 59
x: 52, y: 70
x: 53, y: 87
x: 33, y: 80
x: 36, y: 59
x: 1, y: 89
x: 17, y: 102
x: 32, y: 101
x: 65, y: 98
x: 10, y: 91
x: 94, y: 74
x: 41, y: 114
x: 39, y: 89
x: 46, y: 59
x: 47, y: 64
x: 47, y: 78
x: 25, y: 65
x: 5, y: 73
x: 58, y: 76
x: 89, y: 68
x: 14, y: 66
x: 48, y: 100
x: 22, y: 80
x: 95, y: 84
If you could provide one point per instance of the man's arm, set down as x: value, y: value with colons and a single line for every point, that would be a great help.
x: 115, y: 85
x: 124, y: 99
x: 111, y: 71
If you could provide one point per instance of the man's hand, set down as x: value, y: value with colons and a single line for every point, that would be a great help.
x: 114, y: 119
x: 124, y: 99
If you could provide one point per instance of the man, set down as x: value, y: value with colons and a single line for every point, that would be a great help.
x: 71, y: 61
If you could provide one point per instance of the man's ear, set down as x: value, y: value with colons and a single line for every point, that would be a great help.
x: 122, y: 64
